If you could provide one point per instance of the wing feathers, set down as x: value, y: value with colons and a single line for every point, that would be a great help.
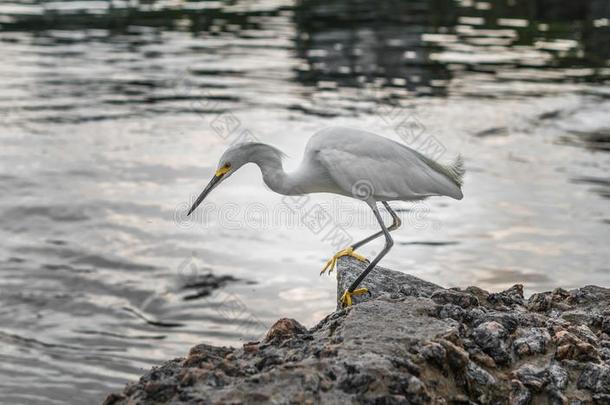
x: 395, y: 171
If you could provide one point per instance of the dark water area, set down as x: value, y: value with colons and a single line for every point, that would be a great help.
x: 114, y: 113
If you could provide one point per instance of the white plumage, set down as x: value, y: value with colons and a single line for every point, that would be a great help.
x: 353, y: 163
x: 393, y: 171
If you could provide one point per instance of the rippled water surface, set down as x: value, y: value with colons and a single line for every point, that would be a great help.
x: 114, y: 113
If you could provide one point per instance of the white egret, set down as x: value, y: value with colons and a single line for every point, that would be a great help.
x: 352, y: 163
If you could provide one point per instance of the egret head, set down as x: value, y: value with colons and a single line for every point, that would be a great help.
x: 234, y: 158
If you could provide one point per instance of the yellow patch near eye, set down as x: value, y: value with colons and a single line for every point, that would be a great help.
x: 222, y: 170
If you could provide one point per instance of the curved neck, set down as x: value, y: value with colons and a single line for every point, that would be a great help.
x: 274, y: 176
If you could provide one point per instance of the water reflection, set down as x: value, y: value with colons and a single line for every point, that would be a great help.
x: 377, y: 43
x: 106, y: 112
x: 421, y: 45
x: 418, y: 46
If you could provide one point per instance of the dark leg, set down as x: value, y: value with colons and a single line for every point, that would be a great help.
x: 349, y: 251
x: 395, y: 225
x: 353, y: 288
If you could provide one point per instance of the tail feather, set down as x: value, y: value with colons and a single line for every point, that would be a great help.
x: 456, y: 170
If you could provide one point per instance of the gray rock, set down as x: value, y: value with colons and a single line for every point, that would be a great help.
x: 491, y: 337
x: 604, y: 353
x: 480, y: 383
x: 509, y: 321
x: 451, y: 311
x: 531, y: 341
x: 596, y: 378
x: 434, y: 353
x: 532, y: 377
x: 519, y: 394
x: 601, y: 399
x: 584, y: 333
x: 380, y: 281
x: 457, y: 358
x: 458, y: 298
x: 605, y: 325
x: 556, y: 398
x: 511, y: 298
x: 409, y: 342
x: 558, y: 377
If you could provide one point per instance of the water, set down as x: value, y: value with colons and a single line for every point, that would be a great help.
x: 114, y: 114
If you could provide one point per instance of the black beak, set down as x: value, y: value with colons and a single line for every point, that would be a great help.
x: 215, y: 180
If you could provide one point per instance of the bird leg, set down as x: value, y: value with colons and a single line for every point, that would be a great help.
x: 331, y: 264
x: 346, y: 298
x: 395, y: 225
x: 353, y: 289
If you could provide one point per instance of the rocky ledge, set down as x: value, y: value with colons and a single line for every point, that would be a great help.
x: 411, y: 341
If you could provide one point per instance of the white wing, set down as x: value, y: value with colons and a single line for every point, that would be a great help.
x: 370, y: 166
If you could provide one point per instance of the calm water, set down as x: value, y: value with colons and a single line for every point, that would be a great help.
x: 113, y: 114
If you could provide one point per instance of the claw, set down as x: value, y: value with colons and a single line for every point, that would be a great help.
x: 346, y: 298
x: 332, y: 262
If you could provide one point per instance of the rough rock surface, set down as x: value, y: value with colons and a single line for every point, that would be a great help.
x: 410, y: 341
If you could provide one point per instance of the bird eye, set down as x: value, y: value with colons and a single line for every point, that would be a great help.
x: 227, y: 165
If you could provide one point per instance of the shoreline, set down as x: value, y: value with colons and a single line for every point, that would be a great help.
x: 411, y: 341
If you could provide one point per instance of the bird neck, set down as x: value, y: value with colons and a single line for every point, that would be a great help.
x: 272, y: 169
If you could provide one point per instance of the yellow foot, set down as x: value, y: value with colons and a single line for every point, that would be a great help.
x: 332, y: 262
x: 346, y: 298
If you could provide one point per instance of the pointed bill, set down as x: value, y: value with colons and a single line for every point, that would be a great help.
x: 215, y: 180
